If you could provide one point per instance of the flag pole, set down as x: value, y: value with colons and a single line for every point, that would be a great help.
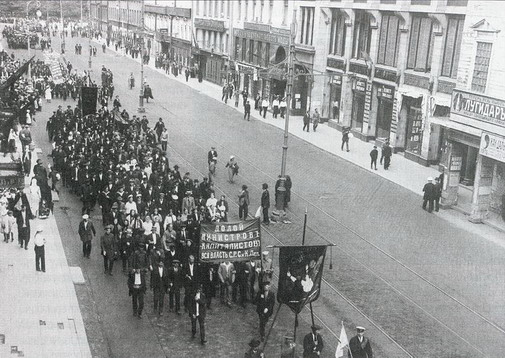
x: 304, y: 227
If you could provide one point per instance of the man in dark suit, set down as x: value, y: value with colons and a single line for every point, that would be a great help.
x: 23, y: 220
x: 429, y: 195
x: 209, y: 282
x: 264, y: 307
x: 191, y: 281
x: 86, y: 232
x: 212, y: 155
x: 137, y: 289
x: 160, y: 284
x: 176, y: 278
x: 197, y: 312
x: 359, y: 345
x: 313, y: 343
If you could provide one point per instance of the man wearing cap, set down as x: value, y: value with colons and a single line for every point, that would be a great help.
x: 126, y: 247
x: 359, y: 345
x: 313, y: 343
x: 160, y: 285
x: 264, y: 307
x: 212, y: 155
x: 109, y: 249
x: 254, y: 350
x: 176, y: 280
x: 197, y: 312
x: 265, y: 203
x: 86, y: 232
x: 429, y: 194
x: 40, y: 258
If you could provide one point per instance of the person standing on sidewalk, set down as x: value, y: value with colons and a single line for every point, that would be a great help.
x: 345, y: 138
x: 374, y: 153
x: 282, y: 107
x: 315, y: 120
x: 265, y: 204
x: 247, y: 111
x: 236, y: 96
x: 275, y: 106
x: 40, y: 257
x: 429, y: 195
x: 224, y: 97
x: 306, y: 121
x: 387, y: 152
x: 257, y: 103
x: 109, y: 249
x: 438, y: 193
x: 86, y: 232
x: 264, y: 106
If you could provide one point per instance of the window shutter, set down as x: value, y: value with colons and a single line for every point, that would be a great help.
x: 414, y: 35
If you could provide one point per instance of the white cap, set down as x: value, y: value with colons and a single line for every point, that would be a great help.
x: 430, y: 179
x: 85, y: 216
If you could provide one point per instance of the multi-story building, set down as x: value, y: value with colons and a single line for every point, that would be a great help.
x: 385, y: 68
x: 474, y: 159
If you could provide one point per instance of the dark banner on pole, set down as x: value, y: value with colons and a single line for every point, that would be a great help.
x: 89, y: 98
x: 239, y: 241
x: 300, y: 273
x: 16, y: 75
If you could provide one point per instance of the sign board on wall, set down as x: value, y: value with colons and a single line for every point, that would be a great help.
x: 492, y: 146
x: 478, y: 107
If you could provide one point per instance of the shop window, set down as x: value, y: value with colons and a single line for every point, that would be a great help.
x: 414, y: 130
x: 259, y: 49
x: 388, y: 40
x: 481, y: 67
x: 251, y: 51
x: 338, y: 33
x: 362, y: 35
x: 421, y: 44
x: 307, y: 28
x: 267, y: 54
x: 244, y: 50
x: 452, y: 47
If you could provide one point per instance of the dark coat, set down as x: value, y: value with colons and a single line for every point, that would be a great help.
x: 202, y: 308
x: 265, y: 302
x: 429, y: 191
x: 265, y: 199
x: 310, y: 348
x: 360, y: 350
x: 160, y: 282
x: 131, y: 281
x: 86, y: 234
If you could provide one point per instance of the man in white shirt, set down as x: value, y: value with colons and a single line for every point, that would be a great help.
x: 197, y: 312
x: 40, y: 258
x: 264, y: 107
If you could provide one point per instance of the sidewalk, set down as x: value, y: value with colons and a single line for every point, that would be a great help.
x: 40, y: 315
x: 402, y: 171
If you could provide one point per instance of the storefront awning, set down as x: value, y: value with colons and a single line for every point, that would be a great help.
x: 446, y: 122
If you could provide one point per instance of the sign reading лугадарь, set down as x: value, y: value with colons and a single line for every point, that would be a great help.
x: 479, y: 107
x: 239, y: 241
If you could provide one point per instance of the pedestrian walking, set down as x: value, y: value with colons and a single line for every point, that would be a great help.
x: 23, y: 223
x: 137, y: 289
x: 282, y: 106
x: 346, y: 133
x: 176, y: 281
x: 224, y: 97
x: 247, y: 110
x: 359, y: 345
x: 306, y: 121
x: 374, y: 153
x: 197, y: 312
x: 236, y: 96
x: 148, y: 93
x: 438, y: 193
x: 429, y: 195
x: 131, y: 81
x: 386, y: 154
x: 160, y: 284
x: 39, y: 242
x: 315, y: 120
x: 313, y: 343
x: 109, y: 249
x: 226, y: 274
x: 243, y: 203
x: 232, y: 168
x: 164, y: 139
x: 265, y: 203
x: 264, y: 307
x: 275, y: 106
x: 257, y: 104
x: 87, y: 233
x: 158, y: 128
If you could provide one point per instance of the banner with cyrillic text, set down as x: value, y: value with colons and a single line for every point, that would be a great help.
x: 227, y: 241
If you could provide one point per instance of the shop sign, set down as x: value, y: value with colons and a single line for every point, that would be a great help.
x: 479, y: 107
x: 358, y: 68
x: 456, y: 163
x: 492, y: 146
x: 208, y: 24
x: 336, y: 79
x: 360, y: 86
x: 262, y: 36
x: 256, y: 27
x: 337, y: 63
x: 385, y: 74
x: 385, y: 92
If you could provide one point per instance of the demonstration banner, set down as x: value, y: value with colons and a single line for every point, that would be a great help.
x: 239, y: 241
x: 89, y: 97
x: 53, y: 62
x: 300, y: 273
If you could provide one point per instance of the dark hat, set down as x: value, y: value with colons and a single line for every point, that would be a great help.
x: 265, y: 186
x: 175, y: 261
x: 315, y: 327
x: 108, y: 227
x: 254, y: 343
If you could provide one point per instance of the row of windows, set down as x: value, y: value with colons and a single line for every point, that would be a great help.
x: 420, y: 41
x: 254, y: 52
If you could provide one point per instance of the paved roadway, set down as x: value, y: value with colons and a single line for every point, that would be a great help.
x: 422, y: 287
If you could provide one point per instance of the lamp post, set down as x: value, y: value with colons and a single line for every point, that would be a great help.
x: 28, y: 39
x: 281, y: 194
x: 141, y: 96
x: 62, y: 28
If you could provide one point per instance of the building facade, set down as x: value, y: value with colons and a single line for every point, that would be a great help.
x: 474, y: 155
x: 385, y: 68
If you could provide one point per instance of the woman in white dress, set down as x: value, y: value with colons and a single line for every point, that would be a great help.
x: 48, y: 94
x: 211, y: 205
x: 33, y: 196
x: 147, y: 225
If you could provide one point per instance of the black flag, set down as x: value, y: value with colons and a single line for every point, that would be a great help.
x: 89, y: 97
x: 300, y: 273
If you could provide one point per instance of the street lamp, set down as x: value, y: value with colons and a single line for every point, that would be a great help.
x: 281, y: 190
x: 141, y: 108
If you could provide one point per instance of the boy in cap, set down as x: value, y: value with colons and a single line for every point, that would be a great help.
x: 359, y: 345
x: 313, y: 343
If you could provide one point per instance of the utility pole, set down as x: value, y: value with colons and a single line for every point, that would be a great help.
x: 62, y: 28
x: 141, y: 97
x: 280, y: 202
x: 89, y: 37
x: 171, y: 42
x: 28, y: 39
x: 81, y: 11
